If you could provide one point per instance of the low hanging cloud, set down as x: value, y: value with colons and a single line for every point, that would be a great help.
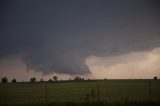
x: 65, y: 63
x: 13, y: 66
x: 138, y: 65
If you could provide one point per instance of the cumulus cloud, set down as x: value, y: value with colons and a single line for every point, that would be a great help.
x: 131, y: 65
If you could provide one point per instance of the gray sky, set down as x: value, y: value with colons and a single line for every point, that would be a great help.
x: 59, y: 36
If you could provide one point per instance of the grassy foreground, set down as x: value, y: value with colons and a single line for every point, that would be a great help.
x: 82, y: 93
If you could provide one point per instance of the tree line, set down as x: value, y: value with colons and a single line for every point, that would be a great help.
x: 33, y: 79
x: 55, y: 78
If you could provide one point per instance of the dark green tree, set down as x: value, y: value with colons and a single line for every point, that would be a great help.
x: 77, y: 78
x: 50, y: 80
x: 14, y: 80
x: 55, y: 78
x: 155, y: 78
x: 41, y: 80
x: 4, y: 80
x: 33, y: 79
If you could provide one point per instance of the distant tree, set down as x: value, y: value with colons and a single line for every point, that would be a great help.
x: 33, y: 79
x: 77, y: 78
x: 14, y: 80
x: 41, y: 80
x: 155, y: 78
x: 4, y: 80
x: 105, y: 78
x: 55, y: 78
x: 50, y: 80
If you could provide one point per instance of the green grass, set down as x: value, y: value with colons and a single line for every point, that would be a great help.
x: 81, y: 92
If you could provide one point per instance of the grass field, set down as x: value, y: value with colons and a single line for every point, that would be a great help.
x: 98, y: 92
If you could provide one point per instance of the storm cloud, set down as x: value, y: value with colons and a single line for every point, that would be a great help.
x: 57, y: 36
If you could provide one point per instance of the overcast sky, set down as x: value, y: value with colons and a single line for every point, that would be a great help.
x: 91, y: 38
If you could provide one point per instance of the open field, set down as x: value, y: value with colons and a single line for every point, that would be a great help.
x: 97, y: 92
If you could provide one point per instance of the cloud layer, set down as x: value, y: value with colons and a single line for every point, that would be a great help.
x: 57, y: 37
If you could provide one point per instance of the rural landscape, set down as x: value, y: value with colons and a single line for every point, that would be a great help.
x: 77, y: 92
x: 79, y: 52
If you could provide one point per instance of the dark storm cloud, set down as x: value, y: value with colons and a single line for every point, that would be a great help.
x: 57, y: 36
